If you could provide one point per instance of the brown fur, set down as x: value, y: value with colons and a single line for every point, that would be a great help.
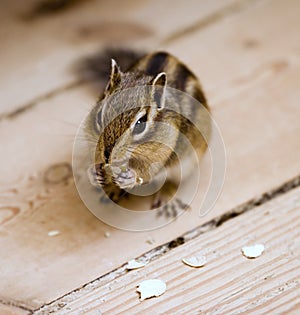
x: 136, y: 92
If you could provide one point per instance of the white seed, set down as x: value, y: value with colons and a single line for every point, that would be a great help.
x: 150, y: 288
x: 133, y: 264
x: 107, y: 234
x: 253, y: 251
x: 53, y: 233
x: 195, y: 261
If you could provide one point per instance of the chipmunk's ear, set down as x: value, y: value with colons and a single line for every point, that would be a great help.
x: 115, y: 77
x: 159, y: 84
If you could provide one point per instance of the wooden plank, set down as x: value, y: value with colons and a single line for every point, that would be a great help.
x: 76, y: 256
x: 45, y: 207
x: 228, y: 284
x: 39, y: 57
x: 238, y: 53
x: 12, y: 310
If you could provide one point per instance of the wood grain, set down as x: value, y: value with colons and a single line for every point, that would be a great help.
x: 228, y: 284
x: 252, y: 85
x: 37, y: 53
x: 11, y: 310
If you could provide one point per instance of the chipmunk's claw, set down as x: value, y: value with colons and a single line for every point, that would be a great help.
x: 166, y: 203
x: 169, y: 209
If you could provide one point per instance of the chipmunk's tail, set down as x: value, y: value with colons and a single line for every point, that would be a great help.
x: 96, y: 67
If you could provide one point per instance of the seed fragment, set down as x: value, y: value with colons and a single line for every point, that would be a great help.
x: 53, y: 233
x: 151, y: 288
x: 253, y: 251
x: 134, y: 264
x: 195, y: 261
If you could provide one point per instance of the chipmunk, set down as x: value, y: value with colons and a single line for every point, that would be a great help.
x: 138, y: 125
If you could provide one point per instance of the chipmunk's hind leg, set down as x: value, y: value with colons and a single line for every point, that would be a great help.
x: 113, y: 195
x: 162, y: 200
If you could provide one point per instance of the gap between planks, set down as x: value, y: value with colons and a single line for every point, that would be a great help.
x: 159, y: 251
x: 28, y: 106
x: 13, y: 308
x: 232, y: 9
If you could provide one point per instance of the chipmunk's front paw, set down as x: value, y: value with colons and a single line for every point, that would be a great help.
x: 125, y: 178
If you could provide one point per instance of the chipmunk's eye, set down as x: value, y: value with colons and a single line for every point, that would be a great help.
x: 140, y: 125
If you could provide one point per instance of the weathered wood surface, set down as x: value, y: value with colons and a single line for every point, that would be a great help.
x: 228, y: 284
x: 11, y: 310
x: 252, y: 85
x: 39, y: 47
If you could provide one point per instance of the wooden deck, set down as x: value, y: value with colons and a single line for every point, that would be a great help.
x: 247, y: 55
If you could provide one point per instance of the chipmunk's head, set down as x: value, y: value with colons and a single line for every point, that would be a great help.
x: 131, y: 121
